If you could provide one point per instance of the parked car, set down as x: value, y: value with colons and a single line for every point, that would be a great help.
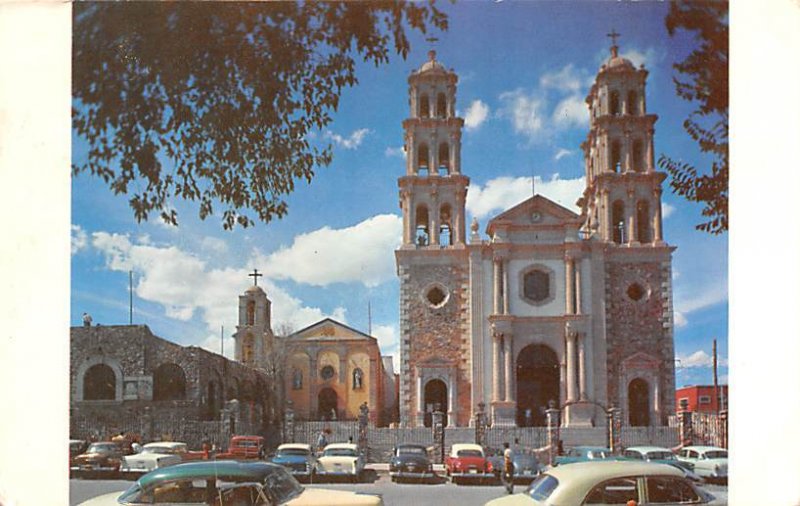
x: 244, y: 448
x: 101, y: 457
x: 661, y: 455
x: 410, y: 461
x: 584, y: 453
x: 467, y: 462
x: 298, y: 458
x: 229, y: 483
x: 710, y: 462
x: 155, y: 455
x: 526, y: 465
x: 341, y: 459
x: 610, y: 482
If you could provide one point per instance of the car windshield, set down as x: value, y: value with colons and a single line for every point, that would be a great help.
x: 660, y: 455
x: 716, y: 454
x: 599, y: 454
x: 281, y: 486
x: 247, y: 444
x: 542, y: 487
x: 411, y: 450
x: 102, y: 448
x: 469, y: 453
x: 293, y: 451
x: 159, y: 449
x: 340, y: 452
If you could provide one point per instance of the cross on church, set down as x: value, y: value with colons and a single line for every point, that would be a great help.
x: 613, y: 36
x: 255, y: 275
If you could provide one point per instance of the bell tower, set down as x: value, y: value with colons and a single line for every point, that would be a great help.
x: 622, y: 200
x: 433, y: 191
x: 254, y: 339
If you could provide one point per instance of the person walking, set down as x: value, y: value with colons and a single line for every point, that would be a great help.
x: 322, y: 441
x: 508, y: 468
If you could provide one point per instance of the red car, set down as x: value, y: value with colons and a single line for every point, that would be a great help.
x: 467, y: 462
x: 244, y: 448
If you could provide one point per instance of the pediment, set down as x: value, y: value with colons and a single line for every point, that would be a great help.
x: 330, y: 329
x: 640, y: 360
x: 533, y: 212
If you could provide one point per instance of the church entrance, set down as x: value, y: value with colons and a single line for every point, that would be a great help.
x: 638, y: 403
x: 328, y: 403
x: 435, y: 399
x: 538, y: 383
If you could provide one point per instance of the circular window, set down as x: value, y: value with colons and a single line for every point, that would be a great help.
x: 536, y: 285
x: 436, y: 295
x: 636, y: 292
x: 327, y: 372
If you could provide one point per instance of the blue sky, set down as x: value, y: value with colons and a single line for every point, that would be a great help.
x: 525, y: 69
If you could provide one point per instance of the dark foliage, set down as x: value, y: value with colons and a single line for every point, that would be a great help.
x: 703, y: 80
x: 214, y: 102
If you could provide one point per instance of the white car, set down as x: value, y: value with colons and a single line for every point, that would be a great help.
x: 710, y: 462
x: 341, y: 459
x: 611, y: 482
x: 153, y: 456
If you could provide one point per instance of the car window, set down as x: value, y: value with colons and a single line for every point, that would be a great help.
x: 669, y: 490
x: 177, y: 491
x: 158, y: 449
x: 541, y: 488
x: 598, y: 454
x: 293, y: 451
x: 617, y: 491
x: 693, y: 454
x: 469, y: 453
x: 281, y: 486
x: 660, y: 455
x: 411, y: 451
x: 717, y: 454
x: 632, y: 454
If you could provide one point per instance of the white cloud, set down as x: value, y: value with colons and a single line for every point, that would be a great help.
x: 503, y: 193
x: 353, y: 141
x: 680, y: 319
x: 476, y: 114
x: 214, y: 245
x: 706, y: 296
x: 79, y: 239
x: 387, y: 336
x: 571, y: 112
x: 562, y: 153
x: 701, y: 359
x: 361, y: 253
x: 400, y: 152
x: 638, y: 58
x: 525, y: 111
x: 567, y: 79
x: 666, y: 210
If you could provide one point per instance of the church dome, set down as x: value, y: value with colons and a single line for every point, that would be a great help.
x: 431, y: 65
x: 254, y: 289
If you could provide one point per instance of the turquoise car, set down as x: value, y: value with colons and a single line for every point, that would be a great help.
x: 585, y: 453
x: 661, y: 455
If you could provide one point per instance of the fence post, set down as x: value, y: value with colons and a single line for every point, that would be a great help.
x: 687, y: 436
x: 438, y: 436
x: 480, y: 425
x: 552, y: 432
x: 363, y: 423
x: 723, y: 416
x: 614, y: 416
x: 288, y: 423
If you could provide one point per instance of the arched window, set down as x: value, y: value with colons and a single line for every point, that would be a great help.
x: 251, y: 312
x: 297, y: 379
x: 445, y: 226
x: 169, y: 383
x: 618, y: 222
x: 616, y: 157
x: 422, y: 160
x: 643, y: 222
x: 358, y: 379
x: 613, y: 103
x: 422, y: 237
x: 247, y: 349
x: 536, y: 285
x: 444, y: 159
x: 638, y: 156
x: 631, y: 104
x: 441, y: 105
x: 424, y: 107
x: 99, y: 383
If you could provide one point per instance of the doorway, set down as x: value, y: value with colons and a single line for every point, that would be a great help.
x: 638, y: 403
x: 435, y: 399
x: 328, y: 403
x: 538, y: 382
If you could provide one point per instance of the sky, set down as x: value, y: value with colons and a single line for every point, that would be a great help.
x: 524, y: 71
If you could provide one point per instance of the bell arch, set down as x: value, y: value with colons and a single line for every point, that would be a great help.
x: 435, y: 399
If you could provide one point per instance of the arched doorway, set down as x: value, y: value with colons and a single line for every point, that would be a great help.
x: 328, y: 403
x: 435, y: 399
x: 538, y: 383
x: 638, y: 403
x: 99, y: 383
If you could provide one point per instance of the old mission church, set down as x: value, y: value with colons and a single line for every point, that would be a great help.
x: 548, y: 306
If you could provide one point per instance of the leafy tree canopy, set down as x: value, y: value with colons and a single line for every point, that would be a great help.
x: 703, y: 80
x: 214, y: 102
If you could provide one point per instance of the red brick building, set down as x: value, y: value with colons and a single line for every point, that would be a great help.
x: 701, y: 398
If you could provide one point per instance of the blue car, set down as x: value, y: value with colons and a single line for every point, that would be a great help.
x: 298, y: 458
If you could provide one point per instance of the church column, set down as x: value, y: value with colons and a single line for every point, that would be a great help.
x: 505, y: 286
x: 509, y: 367
x: 657, y: 215
x: 570, y: 365
x: 411, y: 162
x: 562, y: 387
x: 627, y: 148
x: 434, y: 217
x: 650, y: 152
x: 313, y: 408
x: 630, y: 215
x: 372, y: 383
x: 578, y: 305
x: 420, y: 401
x: 656, y: 418
x: 569, y: 267
x: 496, y: 338
x: 497, y: 285
x: 582, y: 366
x: 608, y: 232
x: 460, y: 228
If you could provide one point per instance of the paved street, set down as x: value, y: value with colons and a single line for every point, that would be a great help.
x: 441, y: 494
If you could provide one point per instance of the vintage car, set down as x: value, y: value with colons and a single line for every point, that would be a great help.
x: 661, y: 455
x: 467, y: 462
x: 229, y: 483
x: 584, y: 453
x: 154, y: 455
x: 410, y: 461
x: 341, y: 459
x: 710, y: 462
x: 76, y: 447
x: 101, y: 457
x: 298, y: 458
x: 610, y: 482
x: 526, y: 465
x: 244, y: 448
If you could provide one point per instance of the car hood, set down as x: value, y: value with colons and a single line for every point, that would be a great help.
x: 315, y: 496
x: 85, y: 457
x: 109, y: 499
x: 290, y: 459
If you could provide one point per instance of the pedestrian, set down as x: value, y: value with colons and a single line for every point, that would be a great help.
x: 87, y: 320
x: 322, y: 441
x: 508, y: 468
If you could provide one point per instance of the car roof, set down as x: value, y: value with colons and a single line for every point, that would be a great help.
x: 582, y: 476
x: 412, y: 445
x: 229, y: 470
x: 241, y: 438
x: 465, y: 446
x: 349, y: 446
x: 647, y: 449
x: 705, y: 448
x: 168, y: 444
x: 294, y: 446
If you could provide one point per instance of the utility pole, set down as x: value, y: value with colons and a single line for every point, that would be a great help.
x: 716, y: 391
x: 369, y: 317
x: 222, y: 340
x: 130, y: 297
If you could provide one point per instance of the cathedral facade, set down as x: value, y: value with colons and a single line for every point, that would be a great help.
x: 549, y: 307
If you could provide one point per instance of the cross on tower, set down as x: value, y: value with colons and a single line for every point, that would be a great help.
x: 613, y: 36
x: 255, y: 275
